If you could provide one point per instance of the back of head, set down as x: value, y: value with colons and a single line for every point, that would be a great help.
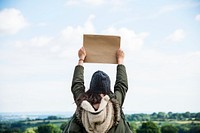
x: 100, y: 83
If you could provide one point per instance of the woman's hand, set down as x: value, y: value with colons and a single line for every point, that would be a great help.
x: 120, y: 56
x: 81, y: 55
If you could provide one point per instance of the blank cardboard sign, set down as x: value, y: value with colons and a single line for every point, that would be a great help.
x: 101, y: 48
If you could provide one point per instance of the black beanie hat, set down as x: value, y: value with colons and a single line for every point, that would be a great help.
x: 100, y: 83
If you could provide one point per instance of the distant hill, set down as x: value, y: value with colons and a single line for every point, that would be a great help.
x: 17, y: 116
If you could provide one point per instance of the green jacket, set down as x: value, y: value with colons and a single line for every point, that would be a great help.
x: 120, y: 89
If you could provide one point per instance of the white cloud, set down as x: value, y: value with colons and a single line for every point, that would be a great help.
x: 12, y: 21
x: 45, y: 50
x: 153, y: 72
x: 71, y: 38
x: 129, y: 39
x: 36, y: 98
x: 177, y: 36
x: 40, y: 41
x: 70, y: 32
x: 64, y: 45
x: 197, y: 18
x: 158, y: 66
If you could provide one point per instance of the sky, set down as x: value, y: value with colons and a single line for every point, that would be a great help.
x: 39, y: 43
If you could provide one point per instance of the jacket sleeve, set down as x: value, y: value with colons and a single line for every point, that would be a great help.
x: 78, y: 87
x: 121, y: 84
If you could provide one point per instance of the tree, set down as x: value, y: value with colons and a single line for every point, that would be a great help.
x: 183, y: 129
x: 169, y: 115
x: 148, y: 127
x: 52, y: 118
x: 29, y: 130
x: 49, y: 128
x: 195, y: 129
x: 186, y: 115
x: 169, y: 129
x: 154, y: 116
x: 133, y: 127
x: 161, y: 115
x: 197, y: 117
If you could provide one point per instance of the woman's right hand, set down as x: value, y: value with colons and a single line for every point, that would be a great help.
x: 120, y: 56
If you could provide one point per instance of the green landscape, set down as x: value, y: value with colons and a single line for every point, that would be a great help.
x: 160, y: 122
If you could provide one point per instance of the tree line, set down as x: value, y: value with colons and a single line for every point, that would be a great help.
x: 139, y: 123
x: 151, y: 127
x: 162, y: 116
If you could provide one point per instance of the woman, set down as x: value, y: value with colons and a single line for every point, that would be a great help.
x: 99, y: 110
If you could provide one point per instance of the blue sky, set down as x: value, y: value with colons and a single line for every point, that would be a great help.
x: 39, y: 41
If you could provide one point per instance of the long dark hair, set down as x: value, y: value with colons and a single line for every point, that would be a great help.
x: 92, y: 98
